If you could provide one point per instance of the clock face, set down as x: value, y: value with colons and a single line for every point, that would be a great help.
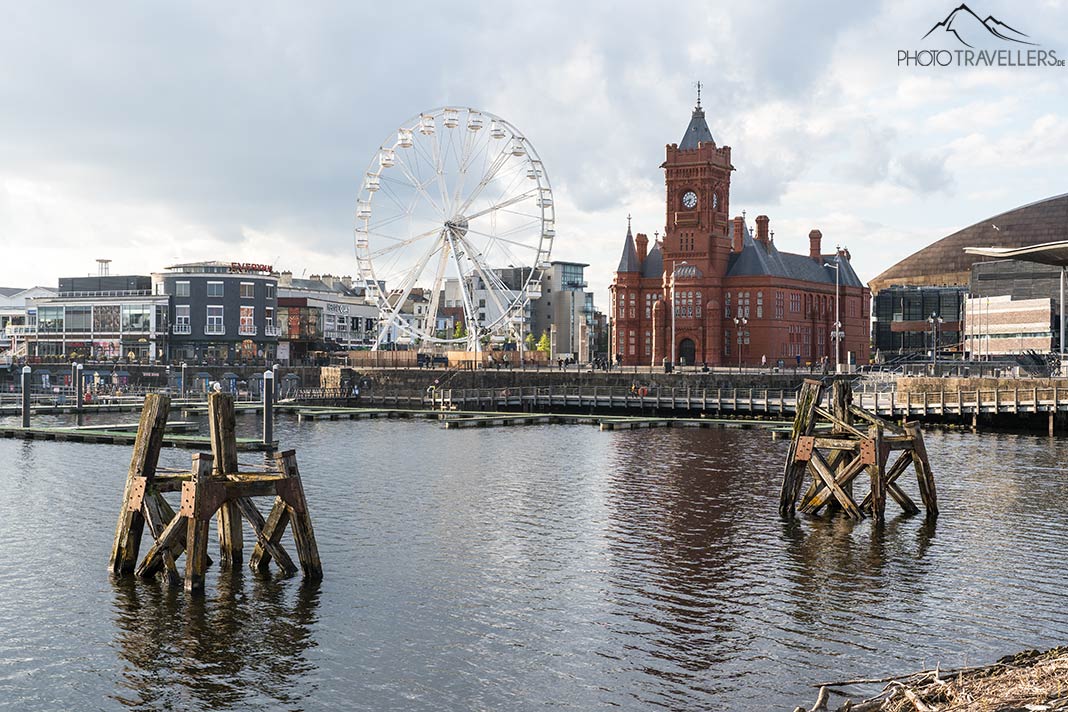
x: 689, y: 199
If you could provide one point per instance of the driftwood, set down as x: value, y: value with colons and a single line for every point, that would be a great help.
x: 1032, y: 680
x: 857, y: 441
x: 216, y: 486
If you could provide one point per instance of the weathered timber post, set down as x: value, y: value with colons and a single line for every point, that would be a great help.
x: 924, y: 475
x: 841, y: 399
x: 195, y: 511
x: 808, y: 399
x: 142, y: 470
x: 268, y: 408
x: 224, y: 449
x: 300, y: 519
x: 26, y: 396
x: 877, y: 471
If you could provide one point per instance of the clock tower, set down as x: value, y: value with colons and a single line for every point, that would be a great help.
x: 697, y: 176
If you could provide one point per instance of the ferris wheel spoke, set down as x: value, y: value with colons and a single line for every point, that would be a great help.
x: 436, y: 289
x: 437, y: 165
x: 499, y: 238
x: 418, y: 185
x: 490, y: 279
x: 384, y: 188
x: 408, y: 286
x: 498, y: 163
x: 400, y: 243
x: 503, y: 204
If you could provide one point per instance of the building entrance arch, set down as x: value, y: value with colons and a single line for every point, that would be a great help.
x: 687, y: 352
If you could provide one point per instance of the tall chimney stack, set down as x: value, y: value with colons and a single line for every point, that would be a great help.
x: 762, y: 230
x: 814, y: 238
x: 642, y: 243
x: 739, y: 232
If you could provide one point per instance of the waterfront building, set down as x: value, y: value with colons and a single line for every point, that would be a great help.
x: 102, y: 318
x: 713, y: 292
x: 564, y: 310
x: 945, y: 263
x: 220, y: 311
x: 1003, y: 326
x: 488, y: 303
x: 322, y: 313
x: 18, y: 317
x: 902, y: 321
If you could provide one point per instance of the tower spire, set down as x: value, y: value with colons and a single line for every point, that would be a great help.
x: 628, y: 223
x: 698, y: 94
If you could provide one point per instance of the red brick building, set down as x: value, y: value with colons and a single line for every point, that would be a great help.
x: 723, y: 273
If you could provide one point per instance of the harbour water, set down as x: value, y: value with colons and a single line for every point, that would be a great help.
x: 527, y: 568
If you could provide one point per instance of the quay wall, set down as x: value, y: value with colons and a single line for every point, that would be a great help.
x: 952, y: 385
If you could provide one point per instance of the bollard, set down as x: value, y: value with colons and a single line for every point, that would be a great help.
x: 79, y: 388
x: 277, y: 383
x: 268, y: 407
x: 25, y: 396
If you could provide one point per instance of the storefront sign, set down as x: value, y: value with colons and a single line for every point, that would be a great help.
x: 337, y: 308
x: 249, y: 267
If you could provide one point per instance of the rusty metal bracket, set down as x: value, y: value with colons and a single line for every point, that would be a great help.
x: 805, y: 446
x: 137, y: 493
x: 211, y: 496
x: 867, y: 451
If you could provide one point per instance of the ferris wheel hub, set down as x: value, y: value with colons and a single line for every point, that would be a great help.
x: 457, y: 226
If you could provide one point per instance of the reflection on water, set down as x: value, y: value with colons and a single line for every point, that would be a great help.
x: 245, y: 642
x: 545, y: 566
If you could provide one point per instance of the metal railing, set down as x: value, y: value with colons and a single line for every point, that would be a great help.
x: 271, y: 330
x: 247, y: 330
x: 215, y: 330
x: 182, y: 329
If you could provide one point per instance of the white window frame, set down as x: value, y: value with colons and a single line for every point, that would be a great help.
x: 222, y: 290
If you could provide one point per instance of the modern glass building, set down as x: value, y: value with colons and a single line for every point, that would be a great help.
x: 902, y: 320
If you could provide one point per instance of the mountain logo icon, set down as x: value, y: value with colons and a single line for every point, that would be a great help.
x: 969, y: 29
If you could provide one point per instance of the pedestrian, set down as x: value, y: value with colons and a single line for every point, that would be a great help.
x: 764, y: 361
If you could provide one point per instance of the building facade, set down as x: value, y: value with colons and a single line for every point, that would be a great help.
x: 1003, y: 326
x: 712, y: 292
x: 564, y: 311
x: 322, y: 313
x: 220, y: 311
x: 902, y: 320
x: 102, y: 318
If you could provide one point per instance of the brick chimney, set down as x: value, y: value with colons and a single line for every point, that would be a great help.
x: 814, y: 238
x: 347, y: 281
x: 844, y: 252
x: 328, y: 280
x: 285, y: 279
x: 739, y: 231
x: 762, y: 230
x: 642, y: 243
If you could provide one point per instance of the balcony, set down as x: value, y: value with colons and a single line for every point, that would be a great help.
x: 272, y: 330
x: 247, y: 330
x: 215, y: 330
x: 20, y: 330
x: 181, y: 329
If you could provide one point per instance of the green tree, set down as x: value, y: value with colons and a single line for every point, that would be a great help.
x: 543, y: 343
x: 530, y: 341
x: 459, y: 332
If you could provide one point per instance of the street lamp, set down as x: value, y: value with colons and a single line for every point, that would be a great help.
x: 934, y: 320
x: 674, y: 309
x: 740, y: 321
x: 837, y: 334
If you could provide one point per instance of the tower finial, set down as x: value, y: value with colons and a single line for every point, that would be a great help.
x: 698, y: 94
x: 628, y: 222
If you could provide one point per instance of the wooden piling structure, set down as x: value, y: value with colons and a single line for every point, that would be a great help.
x: 213, y: 488
x: 836, y: 459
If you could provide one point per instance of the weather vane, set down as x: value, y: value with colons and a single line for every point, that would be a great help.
x: 628, y: 222
x: 698, y: 84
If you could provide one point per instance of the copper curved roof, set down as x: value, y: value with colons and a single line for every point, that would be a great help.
x: 944, y: 263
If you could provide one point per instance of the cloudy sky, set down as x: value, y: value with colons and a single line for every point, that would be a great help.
x: 151, y: 132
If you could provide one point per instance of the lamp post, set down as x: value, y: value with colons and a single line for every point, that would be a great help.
x: 183, y: 380
x: 934, y: 320
x: 837, y: 334
x: 740, y: 321
x: 674, y: 309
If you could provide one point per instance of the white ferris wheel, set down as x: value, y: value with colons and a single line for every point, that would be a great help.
x: 455, y: 215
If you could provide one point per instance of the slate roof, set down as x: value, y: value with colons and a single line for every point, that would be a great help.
x: 628, y: 262
x: 755, y: 260
x: 10, y: 291
x: 944, y: 263
x: 696, y: 132
x: 654, y: 262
